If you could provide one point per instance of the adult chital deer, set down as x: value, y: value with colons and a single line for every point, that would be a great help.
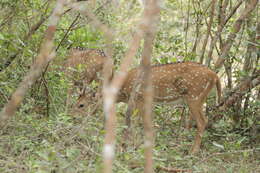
x: 186, y: 82
x: 81, y: 67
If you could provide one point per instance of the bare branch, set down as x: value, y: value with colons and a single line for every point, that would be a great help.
x: 220, y: 29
x: 244, y: 87
x: 251, y: 5
x: 67, y: 32
x: 233, y: 11
x: 173, y: 170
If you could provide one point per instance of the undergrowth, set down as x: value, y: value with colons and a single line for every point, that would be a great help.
x: 61, y: 143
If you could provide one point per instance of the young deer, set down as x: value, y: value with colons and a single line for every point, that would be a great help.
x: 186, y: 82
x: 82, y: 65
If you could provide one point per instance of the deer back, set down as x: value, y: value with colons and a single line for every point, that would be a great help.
x: 171, y: 82
x: 185, y: 80
x: 82, y: 65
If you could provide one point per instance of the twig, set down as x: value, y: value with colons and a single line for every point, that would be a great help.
x: 233, y: 11
x: 46, y: 96
x: 5, y: 20
x: 4, y: 96
x: 68, y: 30
x: 173, y: 170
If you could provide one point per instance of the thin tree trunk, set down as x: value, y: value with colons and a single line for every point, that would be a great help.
x: 197, y: 31
x: 247, y: 66
x: 228, y: 70
x: 248, y: 62
x: 208, y: 30
x: 222, y: 16
x: 186, y: 29
x: 147, y: 85
x: 110, y: 91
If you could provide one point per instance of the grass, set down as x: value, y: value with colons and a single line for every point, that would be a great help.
x: 33, y: 143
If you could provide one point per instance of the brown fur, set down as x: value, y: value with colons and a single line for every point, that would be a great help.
x: 91, y: 61
x: 186, y: 82
x: 81, y: 68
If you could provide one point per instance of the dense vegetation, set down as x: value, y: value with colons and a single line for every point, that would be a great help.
x: 43, y: 136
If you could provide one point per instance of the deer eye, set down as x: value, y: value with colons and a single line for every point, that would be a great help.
x: 81, y: 105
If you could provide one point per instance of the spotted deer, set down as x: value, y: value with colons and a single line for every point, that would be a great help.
x: 82, y: 64
x: 184, y: 82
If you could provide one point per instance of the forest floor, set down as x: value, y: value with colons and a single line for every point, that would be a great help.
x: 60, y: 143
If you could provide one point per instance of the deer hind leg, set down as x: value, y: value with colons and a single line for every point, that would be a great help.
x: 201, y: 120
